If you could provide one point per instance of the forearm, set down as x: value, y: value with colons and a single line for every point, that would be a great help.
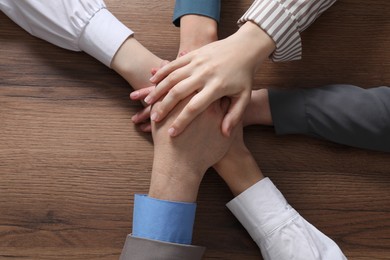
x: 166, y: 187
x: 134, y: 63
x: 197, y: 21
x: 258, y: 111
x: 173, y: 178
x: 196, y: 31
x: 343, y: 114
x: 239, y: 170
x: 255, y: 44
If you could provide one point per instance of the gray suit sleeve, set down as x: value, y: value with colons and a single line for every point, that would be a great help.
x: 343, y: 114
x: 145, y: 249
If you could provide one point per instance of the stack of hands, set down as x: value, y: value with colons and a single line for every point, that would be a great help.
x: 196, y: 103
x: 196, y: 111
x: 196, y: 107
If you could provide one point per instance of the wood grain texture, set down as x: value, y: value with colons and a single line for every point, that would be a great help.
x: 71, y: 160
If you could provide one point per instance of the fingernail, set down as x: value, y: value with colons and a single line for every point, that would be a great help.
x: 133, y: 118
x: 147, y: 100
x: 154, y: 116
x: 172, y: 131
x: 152, y: 78
x: 229, y: 132
x: 134, y: 94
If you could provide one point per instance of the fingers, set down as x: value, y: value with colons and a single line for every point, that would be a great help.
x: 169, y: 68
x: 141, y: 116
x: 167, y: 77
x: 182, y: 53
x: 167, y: 83
x: 142, y: 120
x: 163, y: 63
x: 199, y: 103
x: 154, y: 71
x: 141, y: 93
x: 235, y: 112
x: 146, y: 127
x: 144, y: 92
x: 182, y: 90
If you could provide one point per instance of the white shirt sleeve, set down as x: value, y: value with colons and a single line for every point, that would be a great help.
x: 78, y: 25
x: 279, y: 231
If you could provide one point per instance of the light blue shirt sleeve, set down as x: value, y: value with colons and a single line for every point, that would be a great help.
x: 209, y: 8
x: 163, y: 220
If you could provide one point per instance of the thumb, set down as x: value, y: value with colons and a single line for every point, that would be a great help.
x: 234, y: 114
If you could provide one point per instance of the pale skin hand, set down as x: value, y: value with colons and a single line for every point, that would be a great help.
x: 211, y: 73
x: 180, y: 163
x: 195, y: 32
x: 142, y: 118
x: 258, y: 111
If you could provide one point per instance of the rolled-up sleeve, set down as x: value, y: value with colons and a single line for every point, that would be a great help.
x: 283, y: 21
x: 77, y: 25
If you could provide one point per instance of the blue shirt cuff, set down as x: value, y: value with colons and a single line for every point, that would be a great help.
x: 163, y: 220
x: 209, y: 8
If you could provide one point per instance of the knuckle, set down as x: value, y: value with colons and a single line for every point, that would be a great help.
x: 192, y: 108
x: 156, y: 107
x: 174, y: 93
x: 172, y: 78
x: 219, y: 83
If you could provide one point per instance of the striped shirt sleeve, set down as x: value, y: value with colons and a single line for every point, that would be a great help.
x: 283, y: 21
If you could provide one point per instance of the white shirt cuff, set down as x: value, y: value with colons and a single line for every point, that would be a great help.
x: 103, y: 36
x: 261, y: 209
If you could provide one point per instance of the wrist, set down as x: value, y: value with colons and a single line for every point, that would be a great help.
x: 134, y: 63
x: 174, y: 180
x: 171, y: 188
x: 258, y: 111
x: 197, y: 31
x: 254, y: 38
x: 240, y: 171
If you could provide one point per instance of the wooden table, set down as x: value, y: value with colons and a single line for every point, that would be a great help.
x: 71, y: 160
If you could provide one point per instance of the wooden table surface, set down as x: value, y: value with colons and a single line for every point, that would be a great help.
x: 71, y: 160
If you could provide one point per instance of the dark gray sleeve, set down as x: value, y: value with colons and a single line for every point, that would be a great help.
x: 146, y: 249
x: 343, y: 114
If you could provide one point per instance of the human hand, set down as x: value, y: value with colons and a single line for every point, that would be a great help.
x: 195, y: 32
x: 142, y: 117
x: 210, y: 73
x: 180, y: 163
